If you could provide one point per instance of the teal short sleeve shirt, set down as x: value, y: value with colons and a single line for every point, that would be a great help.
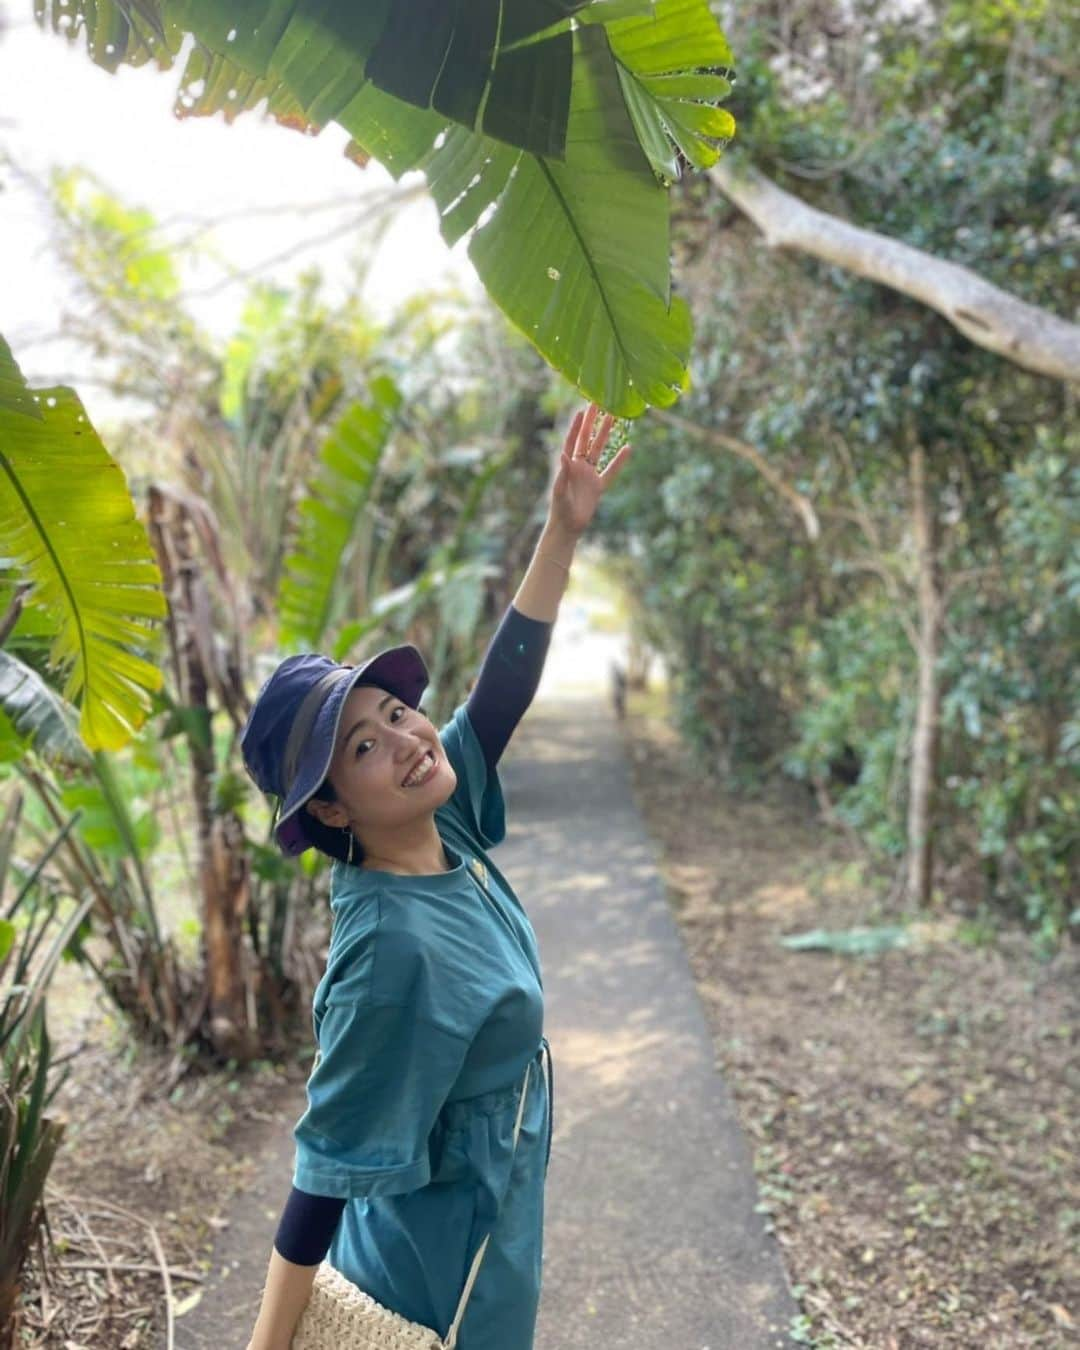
x: 427, y: 1017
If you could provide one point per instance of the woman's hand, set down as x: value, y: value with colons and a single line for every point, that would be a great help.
x: 578, y: 485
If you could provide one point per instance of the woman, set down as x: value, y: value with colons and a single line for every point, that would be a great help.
x: 431, y: 1007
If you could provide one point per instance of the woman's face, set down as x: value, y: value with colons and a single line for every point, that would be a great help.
x: 388, y: 765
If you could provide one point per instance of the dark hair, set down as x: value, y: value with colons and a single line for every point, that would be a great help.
x: 329, y: 839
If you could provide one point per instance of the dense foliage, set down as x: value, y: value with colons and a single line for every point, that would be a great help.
x: 947, y: 126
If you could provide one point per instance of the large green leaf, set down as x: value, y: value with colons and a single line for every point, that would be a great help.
x: 570, y: 230
x: 317, y: 582
x: 68, y: 523
x: 576, y: 252
x: 667, y: 68
x: 591, y: 289
x: 117, y: 32
x: 309, y: 58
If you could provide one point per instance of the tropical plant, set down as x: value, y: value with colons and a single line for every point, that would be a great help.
x: 68, y: 526
x: 106, y: 857
x: 29, y: 1136
x: 384, y: 516
x: 551, y: 132
x: 293, y: 415
x: 340, y: 561
x: 914, y: 662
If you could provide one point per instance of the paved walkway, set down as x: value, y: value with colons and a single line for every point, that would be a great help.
x: 651, y: 1240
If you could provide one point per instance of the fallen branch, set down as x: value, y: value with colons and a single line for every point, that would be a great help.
x: 176, y: 1272
x: 163, y: 1266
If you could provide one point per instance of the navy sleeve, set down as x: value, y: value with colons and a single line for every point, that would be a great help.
x: 307, y: 1226
x: 508, y: 679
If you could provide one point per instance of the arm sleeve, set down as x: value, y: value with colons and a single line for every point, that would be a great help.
x: 508, y: 680
x: 307, y: 1226
x: 381, y: 1076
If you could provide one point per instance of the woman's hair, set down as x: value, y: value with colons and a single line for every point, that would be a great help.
x: 329, y: 839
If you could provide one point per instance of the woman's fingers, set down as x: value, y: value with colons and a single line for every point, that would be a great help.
x: 593, y: 435
x: 581, y: 450
x: 602, y: 435
x: 571, y: 436
x: 586, y: 438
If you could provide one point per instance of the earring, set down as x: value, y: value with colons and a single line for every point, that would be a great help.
x: 350, y: 834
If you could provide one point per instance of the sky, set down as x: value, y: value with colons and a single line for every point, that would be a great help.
x: 58, y: 109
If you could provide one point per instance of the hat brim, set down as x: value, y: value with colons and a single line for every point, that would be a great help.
x: 399, y: 670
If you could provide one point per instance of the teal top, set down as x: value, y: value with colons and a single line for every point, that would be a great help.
x: 429, y: 1013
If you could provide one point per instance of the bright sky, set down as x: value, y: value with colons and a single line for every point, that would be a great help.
x: 58, y: 108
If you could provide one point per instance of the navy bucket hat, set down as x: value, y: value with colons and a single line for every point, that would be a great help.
x: 290, y: 734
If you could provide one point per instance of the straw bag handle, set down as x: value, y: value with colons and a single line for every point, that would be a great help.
x: 451, y: 1335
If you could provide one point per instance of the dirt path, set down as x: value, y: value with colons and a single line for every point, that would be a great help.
x: 915, y: 1116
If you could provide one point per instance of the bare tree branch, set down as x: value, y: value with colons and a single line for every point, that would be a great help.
x: 990, y: 317
x: 802, y: 504
x: 878, y: 569
x: 379, y: 210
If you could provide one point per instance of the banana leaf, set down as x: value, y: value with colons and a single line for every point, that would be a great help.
x: 554, y: 140
x: 37, y: 715
x: 318, y: 581
x: 849, y: 941
x: 308, y: 58
x: 69, y: 526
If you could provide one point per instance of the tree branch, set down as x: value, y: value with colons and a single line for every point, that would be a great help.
x: 802, y: 504
x: 879, y: 569
x: 990, y: 317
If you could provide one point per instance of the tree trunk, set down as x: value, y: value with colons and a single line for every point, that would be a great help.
x: 232, y: 972
x: 1025, y: 334
x: 924, y: 745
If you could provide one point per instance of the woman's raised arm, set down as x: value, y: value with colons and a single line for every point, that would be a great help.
x: 508, y: 679
x: 514, y: 661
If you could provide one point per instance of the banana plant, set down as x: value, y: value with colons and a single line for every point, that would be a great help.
x: 107, y: 855
x: 68, y: 526
x: 336, y: 568
x: 550, y: 129
x: 33, y: 715
x: 333, y: 520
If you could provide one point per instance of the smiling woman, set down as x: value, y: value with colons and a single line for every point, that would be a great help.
x: 386, y: 778
x: 422, y: 1155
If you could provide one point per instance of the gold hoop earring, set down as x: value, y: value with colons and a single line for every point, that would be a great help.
x: 351, y: 841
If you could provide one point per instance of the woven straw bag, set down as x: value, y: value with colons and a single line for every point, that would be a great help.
x: 340, y: 1316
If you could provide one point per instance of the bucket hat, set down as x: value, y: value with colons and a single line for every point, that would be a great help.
x: 289, y: 737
